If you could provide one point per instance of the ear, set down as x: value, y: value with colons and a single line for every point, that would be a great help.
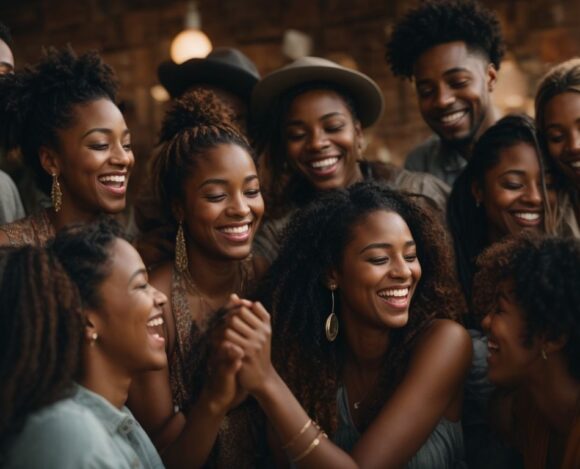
x: 476, y: 192
x: 332, y: 279
x: 177, y: 210
x: 92, y: 325
x: 491, y: 77
x: 554, y: 345
x: 48, y: 160
x: 360, y: 138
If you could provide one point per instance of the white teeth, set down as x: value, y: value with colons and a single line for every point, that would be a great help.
x: 575, y: 164
x: 158, y: 321
x: 492, y: 345
x: 451, y: 118
x: 324, y: 163
x: 396, y: 292
x: 236, y: 229
x: 529, y: 216
x: 111, y: 178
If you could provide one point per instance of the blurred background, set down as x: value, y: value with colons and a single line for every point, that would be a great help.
x: 134, y: 36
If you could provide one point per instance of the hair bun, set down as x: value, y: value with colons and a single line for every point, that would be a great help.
x: 200, y: 108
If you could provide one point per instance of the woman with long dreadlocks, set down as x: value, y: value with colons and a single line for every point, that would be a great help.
x: 361, y: 299
x: 61, y: 114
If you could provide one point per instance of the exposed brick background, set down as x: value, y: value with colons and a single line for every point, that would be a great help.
x: 134, y: 37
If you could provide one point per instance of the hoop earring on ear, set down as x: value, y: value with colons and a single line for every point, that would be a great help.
x: 56, y: 194
x: 181, y: 263
x: 331, y: 324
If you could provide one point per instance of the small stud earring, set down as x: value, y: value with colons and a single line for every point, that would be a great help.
x: 93, y: 338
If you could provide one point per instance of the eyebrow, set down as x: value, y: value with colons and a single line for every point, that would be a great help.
x: 451, y: 71
x: 519, y: 172
x: 136, y: 273
x: 384, y: 246
x: 325, y: 116
x: 104, y: 131
x: 223, y: 182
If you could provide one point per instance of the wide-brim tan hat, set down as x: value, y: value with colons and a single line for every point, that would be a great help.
x: 224, y: 67
x: 367, y: 96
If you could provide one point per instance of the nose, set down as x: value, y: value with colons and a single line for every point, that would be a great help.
x: 159, y: 298
x: 486, y: 322
x: 399, y: 269
x: 238, y: 206
x: 121, y: 156
x: 574, y: 142
x: 533, y: 195
x: 318, y: 140
x: 444, y: 97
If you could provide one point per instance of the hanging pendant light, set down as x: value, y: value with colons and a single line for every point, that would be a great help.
x: 192, y: 42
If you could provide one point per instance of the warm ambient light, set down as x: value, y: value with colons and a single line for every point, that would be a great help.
x: 192, y: 42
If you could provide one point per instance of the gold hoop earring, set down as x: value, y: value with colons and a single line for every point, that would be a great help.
x: 181, y: 263
x: 331, y: 323
x: 56, y: 194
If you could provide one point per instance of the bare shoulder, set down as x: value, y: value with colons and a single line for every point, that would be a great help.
x: 446, y: 339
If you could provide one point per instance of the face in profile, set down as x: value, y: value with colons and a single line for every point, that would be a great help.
x: 323, y: 142
x: 510, y: 358
x: 223, y: 205
x: 94, y: 158
x: 562, y: 133
x: 379, y: 272
x: 511, y: 192
x: 453, y: 88
x: 6, y: 59
x: 127, y: 320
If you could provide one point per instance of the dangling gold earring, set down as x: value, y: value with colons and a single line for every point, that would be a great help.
x: 331, y: 324
x: 56, y: 194
x: 181, y: 263
x: 93, y: 339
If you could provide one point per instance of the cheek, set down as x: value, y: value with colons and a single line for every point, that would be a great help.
x: 257, y: 206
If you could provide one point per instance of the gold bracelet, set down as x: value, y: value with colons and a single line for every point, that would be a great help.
x: 311, y: 447
x: 295, y: 438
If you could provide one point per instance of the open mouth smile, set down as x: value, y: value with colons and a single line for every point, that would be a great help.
x: 396, y: 297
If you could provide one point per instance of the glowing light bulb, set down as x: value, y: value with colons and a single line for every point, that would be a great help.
x: 189, y: 44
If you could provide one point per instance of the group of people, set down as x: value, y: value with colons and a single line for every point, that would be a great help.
x: 277, y: 298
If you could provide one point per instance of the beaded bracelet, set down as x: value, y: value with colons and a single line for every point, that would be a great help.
x: 311, y: 447
x: 301, y: 432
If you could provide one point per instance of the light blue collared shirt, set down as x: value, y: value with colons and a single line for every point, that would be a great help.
x: 83, y: 431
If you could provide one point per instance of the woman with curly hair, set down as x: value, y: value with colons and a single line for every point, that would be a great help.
x: 533, y: 326
x: 78, y: 321
x: 207, y: 180
x: 310, y: 118
x: 361, y: 301
x: 61, y: 114
x: 557, y: 115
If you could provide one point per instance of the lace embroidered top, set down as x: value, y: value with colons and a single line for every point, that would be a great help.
x: 240, y: 442
x: 33, y: 230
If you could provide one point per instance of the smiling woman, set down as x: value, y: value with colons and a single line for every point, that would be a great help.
x: 207, y: 180
x: 61, y: 114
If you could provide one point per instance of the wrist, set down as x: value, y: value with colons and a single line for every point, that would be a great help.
x: 268, y: 386
x: 214, y: 406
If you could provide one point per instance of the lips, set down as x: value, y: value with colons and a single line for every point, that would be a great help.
x: 154, y: 329
x: 237, y: 233
x: 115, y: 183
x: 453, y: 118
x: 323, y: 167
x: 527, y: 218
x: 396, y: 297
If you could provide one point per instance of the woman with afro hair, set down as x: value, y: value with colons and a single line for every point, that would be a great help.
x: 61, y: 114
x: 362, y: 302
x: 206, y: 178
x: 533, y: 326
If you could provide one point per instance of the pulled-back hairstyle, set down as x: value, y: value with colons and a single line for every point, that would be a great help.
x: 285, y: 187
x: 467, y: 221
x: 435, y: 22
x: 41, y: 335
x: 546, y: 277
x: 295, y: 292
x: 39, y: 100
x: 85, y: 253
x: 195, y: 123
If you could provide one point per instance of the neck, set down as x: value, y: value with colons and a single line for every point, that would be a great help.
x: 556, y: 394
x: 104, y: 377
x: 69, y: 215
x: 213, y: 277
x: 366, y: 345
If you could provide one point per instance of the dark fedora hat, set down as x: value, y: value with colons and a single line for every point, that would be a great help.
x: 367, y: 96
x: 224, y: 67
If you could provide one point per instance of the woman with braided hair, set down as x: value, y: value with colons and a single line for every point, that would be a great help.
x: 207, y: 180
x: 362, y: 300
x: 79, y: 320
x: 61, y: 114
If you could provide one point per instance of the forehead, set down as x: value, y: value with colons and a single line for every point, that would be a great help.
x: 125, y: 260
x: 445, y: 58
x: 225, y: 161
x: 317, y: 102
x: 381, y: 226
x: 562, y: 107
x: 6, y: 57
x: 520, y: 156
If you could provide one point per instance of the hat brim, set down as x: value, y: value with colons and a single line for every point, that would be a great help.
x: 367, y: 95
x: 178, y: 78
